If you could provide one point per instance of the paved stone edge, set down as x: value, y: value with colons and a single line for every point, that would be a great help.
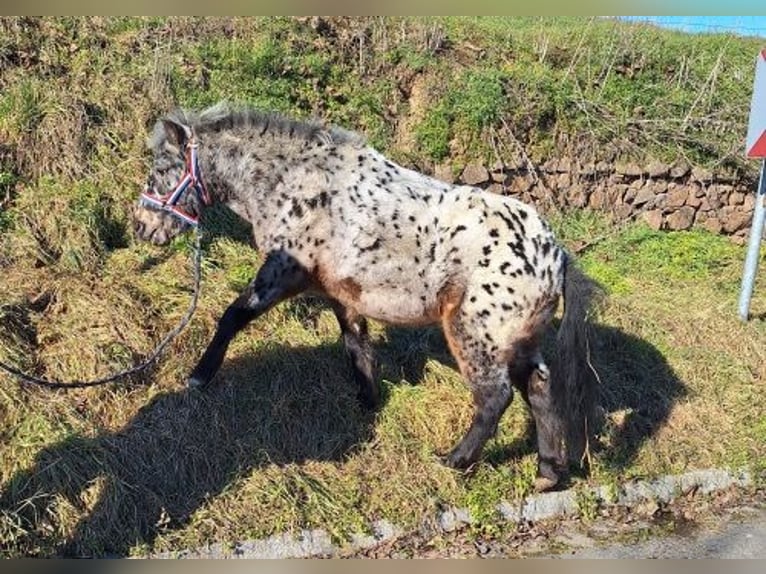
x: 317, y: 542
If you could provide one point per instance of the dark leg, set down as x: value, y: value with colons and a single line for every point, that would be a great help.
x: 357, y: 342
x: 530, y: 375
x: 492, y: 394
x: 280, y: 277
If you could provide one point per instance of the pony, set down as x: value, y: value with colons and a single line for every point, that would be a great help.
x: 334, y: 217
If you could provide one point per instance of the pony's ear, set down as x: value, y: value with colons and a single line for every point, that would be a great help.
x: 177, y: 134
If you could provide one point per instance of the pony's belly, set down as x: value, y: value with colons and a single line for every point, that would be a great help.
x: 397, y: 307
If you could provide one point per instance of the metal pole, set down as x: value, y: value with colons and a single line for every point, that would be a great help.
x: 753, y: 248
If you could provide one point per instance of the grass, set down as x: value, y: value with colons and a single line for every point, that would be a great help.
x: 280, y: 443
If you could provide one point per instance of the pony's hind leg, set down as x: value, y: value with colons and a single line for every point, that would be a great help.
x: 489, y: 379
x: 357, y: 343
x: 492, y: 374
x: 531, y: 376
x: 492, y: 394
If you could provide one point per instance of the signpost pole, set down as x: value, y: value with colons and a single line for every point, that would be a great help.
x: 754, y: 247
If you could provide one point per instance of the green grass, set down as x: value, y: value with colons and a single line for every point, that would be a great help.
x: 280, y: 443
x: 667, y: 258
x: 475, y: 101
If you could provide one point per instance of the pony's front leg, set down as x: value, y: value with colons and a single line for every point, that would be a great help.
x: 280, y: 277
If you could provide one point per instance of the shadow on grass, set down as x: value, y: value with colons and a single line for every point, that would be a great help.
x: 637, y: 393
x: 184, y: 448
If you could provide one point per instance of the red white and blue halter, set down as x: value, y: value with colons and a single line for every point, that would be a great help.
x: 191, y: 178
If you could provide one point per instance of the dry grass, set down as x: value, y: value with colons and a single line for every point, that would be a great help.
x: 280, y: 442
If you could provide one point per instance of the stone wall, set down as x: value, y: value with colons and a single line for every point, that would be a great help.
x: 673, y: 197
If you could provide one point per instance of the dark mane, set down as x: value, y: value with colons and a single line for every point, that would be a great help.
x: 225, y: 116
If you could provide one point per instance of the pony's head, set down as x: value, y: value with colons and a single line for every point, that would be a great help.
x: 174, y: 194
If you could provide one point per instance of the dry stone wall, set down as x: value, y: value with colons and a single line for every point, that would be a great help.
x: 672, y: 197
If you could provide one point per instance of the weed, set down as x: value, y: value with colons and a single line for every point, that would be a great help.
x: 433, y: 133
x: 29, y: 107
x: 612, y: 493
x: 482, y: 501
x: 587, y: 503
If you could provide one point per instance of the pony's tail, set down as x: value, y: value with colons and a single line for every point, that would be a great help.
x: 572, y: 377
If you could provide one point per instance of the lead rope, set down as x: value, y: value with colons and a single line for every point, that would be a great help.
x: 50, y: 384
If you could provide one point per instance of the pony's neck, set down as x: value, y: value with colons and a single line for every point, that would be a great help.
x: 235, y: 168
x: 249, y: 167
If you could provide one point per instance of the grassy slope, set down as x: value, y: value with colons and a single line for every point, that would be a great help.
x: 281, y: 444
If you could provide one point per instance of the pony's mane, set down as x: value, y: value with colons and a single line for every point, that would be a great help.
x: 225, y: 116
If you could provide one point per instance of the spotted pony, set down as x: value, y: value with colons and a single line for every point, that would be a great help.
x: 335, y: 217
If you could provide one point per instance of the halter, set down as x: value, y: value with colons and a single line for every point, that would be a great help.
x: 192, y: 177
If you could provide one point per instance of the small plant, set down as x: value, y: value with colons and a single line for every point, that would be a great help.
x: 478, y: 99
x: 587, y: 503
x: 482, y: 501
x: 473, y: 101
x: 7, y: 185
x: 29, y: 107
x: 433, y: 133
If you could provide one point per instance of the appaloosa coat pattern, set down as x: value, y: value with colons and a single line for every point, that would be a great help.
x: 334, y: 216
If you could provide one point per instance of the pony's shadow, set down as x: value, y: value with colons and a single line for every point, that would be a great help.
x: 637, y: 392
x: 220, y: 221
x: 183, y: 447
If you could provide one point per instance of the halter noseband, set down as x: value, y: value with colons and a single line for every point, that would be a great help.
x: 192, y: 177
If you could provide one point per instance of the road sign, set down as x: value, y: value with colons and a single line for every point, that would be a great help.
x: 756, y: 130
x: 756, y: 147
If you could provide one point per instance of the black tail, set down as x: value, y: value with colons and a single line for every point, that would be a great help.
x: 572, y: 378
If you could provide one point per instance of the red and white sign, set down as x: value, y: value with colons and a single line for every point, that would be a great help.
x: 756, y: 129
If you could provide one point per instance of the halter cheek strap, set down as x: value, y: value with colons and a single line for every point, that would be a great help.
x: 191, y: 178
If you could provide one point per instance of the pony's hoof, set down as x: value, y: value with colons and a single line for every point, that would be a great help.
x: 543, y: 483
x: 457, y: 461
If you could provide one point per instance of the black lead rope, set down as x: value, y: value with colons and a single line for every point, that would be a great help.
x: 47, y: 383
